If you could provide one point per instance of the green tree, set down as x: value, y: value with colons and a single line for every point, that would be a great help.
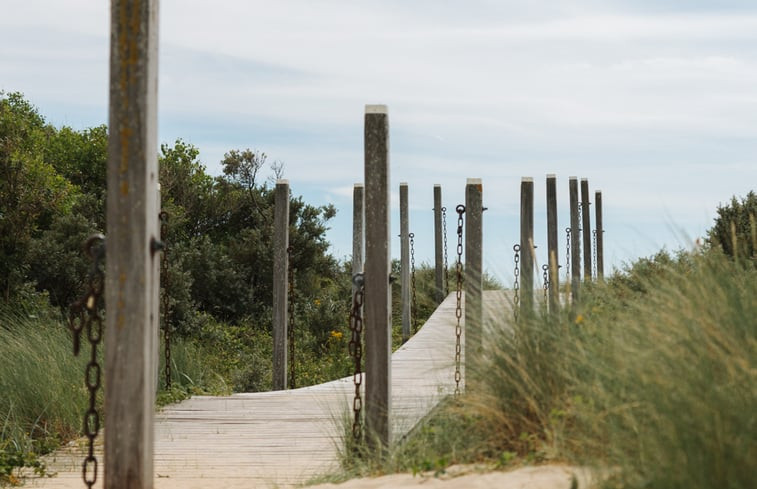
x: 735, y: 229
x: 32, y: 193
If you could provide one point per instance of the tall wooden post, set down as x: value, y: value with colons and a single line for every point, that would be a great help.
x: 132, y: 258
x: 586, y: 227
x: 438, y: 245
x: 358, y: 231
x: 473, y: 283
x: 405, y: 262
x: 575, y: 242
x: 280, y: 283
x: 527, y: 259
x: 378, y: 300
x: 552, y: 249
x: 600, y: 235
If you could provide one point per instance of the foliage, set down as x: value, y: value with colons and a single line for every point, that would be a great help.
x: 735, y: 229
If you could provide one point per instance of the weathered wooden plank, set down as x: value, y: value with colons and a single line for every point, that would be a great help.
x: 282, y: 438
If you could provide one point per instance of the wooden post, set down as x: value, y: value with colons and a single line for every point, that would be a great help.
x: 586, y: 227
x: 552, y: 250
x: 405, y: 262
x: 132, y: 258
x: 575, y: 243
x: 358, y: 231
x: 378, y: 300
x: 438, y: 245
x: 600, y: 235
x: 473, y: 282
x: 280, y: 283
x: 527, y: 246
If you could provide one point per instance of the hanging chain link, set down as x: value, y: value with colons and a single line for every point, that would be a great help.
x: 594, y: 253
x: 446, y: 265
x: 567, y: 255
x: 545, y: 276
x: 163, y: 216
x: 356, y: 352
x: 459, y: 305
x: 290, y: 314
x: 86, y: 313
x: 414, y: 303
x: 516, y: 283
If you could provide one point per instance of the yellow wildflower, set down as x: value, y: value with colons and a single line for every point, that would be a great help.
x: 579, y: 319
x: 337, y: 335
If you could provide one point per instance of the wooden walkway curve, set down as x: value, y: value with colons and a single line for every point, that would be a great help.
x: 283, y: 438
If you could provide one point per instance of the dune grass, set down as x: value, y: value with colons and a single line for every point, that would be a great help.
x: 42, y: 392
x: 652, y: 381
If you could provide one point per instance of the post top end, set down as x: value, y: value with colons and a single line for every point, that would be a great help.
x: 584, y: 180
x: 437, y: 185
x: 572, y: 178
x: 403, y: 184
x: 527, y: 179
x: 597, y: 191
x: 551, y: 175
x: 282, y: 181
x: 473, y: 181
x: 359, y: 185
x: 376, y: 109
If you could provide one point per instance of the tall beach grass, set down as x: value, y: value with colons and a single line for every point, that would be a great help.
x: 653, y: 381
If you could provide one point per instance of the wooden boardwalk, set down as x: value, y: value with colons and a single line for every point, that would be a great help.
x: 283, y: 438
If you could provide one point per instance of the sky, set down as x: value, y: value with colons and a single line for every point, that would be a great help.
x: 654, y: 102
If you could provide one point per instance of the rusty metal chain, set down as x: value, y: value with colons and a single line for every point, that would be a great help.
x: 86, y: 313
x: 356, y: 352
x: 414, y: 303
x: 545, y: 276
x: 516, y: 283
x: 460, y: 209
x: 166, y: 303
x: 291, y: 314
x: 567, y: 255
x: 594, y: 253
x: 446, y: 264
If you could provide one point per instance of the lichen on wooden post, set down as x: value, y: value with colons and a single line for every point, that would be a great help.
x: 575, y: 243
x: 132, y: 257
x: 473, y: 283
x: 586, y: 228
x: 377, y: 302
x: 405, y: 262
x: 552, y: 249
x: 280, y: 283
x: 527, y: 258
x: 600, y: 235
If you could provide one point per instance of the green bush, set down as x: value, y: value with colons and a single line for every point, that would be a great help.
x: 735, y: 229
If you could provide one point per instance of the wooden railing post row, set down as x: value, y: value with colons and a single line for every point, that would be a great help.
x: 132, y: 254
x: 586, y: 228
x: 575, y: 243
x: 358, y: 231
x: 378, y: 301
x: 405, y: 262
x: 600, y: 235
x: 527, y: 258
x: 280, y: 283
x: 552, y: 249
x: 473, y: 282
x: 438, y: 245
